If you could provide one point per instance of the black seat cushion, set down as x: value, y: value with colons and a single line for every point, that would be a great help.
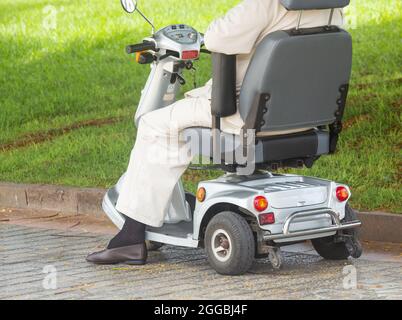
x: 299, y: 145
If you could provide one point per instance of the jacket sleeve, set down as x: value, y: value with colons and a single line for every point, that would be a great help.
x: 238, y: 30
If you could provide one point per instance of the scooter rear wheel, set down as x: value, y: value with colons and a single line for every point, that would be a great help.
x: 329, y: 249
x: 229, y: 243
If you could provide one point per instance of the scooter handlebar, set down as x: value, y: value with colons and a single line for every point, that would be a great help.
x: 146, y: 45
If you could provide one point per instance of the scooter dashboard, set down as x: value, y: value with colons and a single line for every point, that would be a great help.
x: 181, y: 34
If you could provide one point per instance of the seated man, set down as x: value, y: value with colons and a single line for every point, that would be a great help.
x: 146, y: 192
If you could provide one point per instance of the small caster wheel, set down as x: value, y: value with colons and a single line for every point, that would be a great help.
x: 153, y: 246
x: 354, y: 247
x: 330, y: 249
x: 275, y: 257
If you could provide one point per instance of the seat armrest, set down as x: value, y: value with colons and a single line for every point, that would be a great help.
x: 223, y: 97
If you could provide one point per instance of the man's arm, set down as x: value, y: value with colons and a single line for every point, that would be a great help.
x: 238, y: 30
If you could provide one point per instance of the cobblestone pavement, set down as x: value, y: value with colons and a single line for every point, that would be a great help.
x: 27, y: 253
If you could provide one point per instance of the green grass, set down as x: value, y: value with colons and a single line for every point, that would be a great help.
x: 78, y: 71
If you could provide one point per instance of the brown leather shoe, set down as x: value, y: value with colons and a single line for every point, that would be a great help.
x: 135, y: 255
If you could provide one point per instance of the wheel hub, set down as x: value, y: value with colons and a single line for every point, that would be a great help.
x: 221, y: 245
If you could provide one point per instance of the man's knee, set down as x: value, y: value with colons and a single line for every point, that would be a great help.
x: 149, y: 120
x: 161, y: 123
x: 157, y: 118
x: 152, y: 125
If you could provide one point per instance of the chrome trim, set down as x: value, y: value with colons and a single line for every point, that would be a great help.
x: 299, y: 19
x: 330, y: 17
x: 302, y: 214
x: 337, y: 225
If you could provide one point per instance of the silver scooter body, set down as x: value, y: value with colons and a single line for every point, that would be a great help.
x: 304, y: 207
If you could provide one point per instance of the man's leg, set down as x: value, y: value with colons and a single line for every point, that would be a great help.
x: 157, y: 162
x: 133, y: 232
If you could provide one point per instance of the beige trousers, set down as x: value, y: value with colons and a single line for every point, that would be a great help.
x: 159, y: 158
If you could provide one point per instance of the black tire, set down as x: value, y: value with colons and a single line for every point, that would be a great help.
x: 331, y: 250
x: 153, y: 246
x: 242, y: 243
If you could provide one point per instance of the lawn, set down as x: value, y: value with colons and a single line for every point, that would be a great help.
x: 68, y: 93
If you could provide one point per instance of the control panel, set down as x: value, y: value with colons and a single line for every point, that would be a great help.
x: 181, y: 33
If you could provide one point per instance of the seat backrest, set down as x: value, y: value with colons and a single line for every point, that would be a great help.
x: 314, y: 4
x: 297, y: 78
x: 301, y: 73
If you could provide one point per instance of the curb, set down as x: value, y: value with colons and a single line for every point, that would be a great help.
x: 377, y: 226
x: 380, y: 226
x: 68, y: 200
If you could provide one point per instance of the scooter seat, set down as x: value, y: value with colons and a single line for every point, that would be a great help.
x: 268, y: 149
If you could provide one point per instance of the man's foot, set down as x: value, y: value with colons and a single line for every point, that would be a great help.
x: 134, y: 254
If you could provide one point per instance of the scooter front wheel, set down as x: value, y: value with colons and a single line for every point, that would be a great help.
x: 229, y: 244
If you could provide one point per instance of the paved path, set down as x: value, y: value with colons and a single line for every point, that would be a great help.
x: 175, y: 273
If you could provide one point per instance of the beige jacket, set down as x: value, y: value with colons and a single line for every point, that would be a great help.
x: 244, y: 26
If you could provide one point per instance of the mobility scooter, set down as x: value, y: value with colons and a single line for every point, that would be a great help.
x: 293, y: 97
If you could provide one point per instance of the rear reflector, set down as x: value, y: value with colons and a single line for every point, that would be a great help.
x: 266, y: 218
x: 189, y: 55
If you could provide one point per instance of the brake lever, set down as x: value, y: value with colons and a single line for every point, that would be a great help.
x: 205, y: 51
x: 169, y: 54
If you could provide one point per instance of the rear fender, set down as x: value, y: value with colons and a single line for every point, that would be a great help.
x: 334, y: 203
x: 222, y: 201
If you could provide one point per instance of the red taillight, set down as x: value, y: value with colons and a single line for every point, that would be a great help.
x: 189, y: 55
x: 266, y: 218
x: 342, y: 194
x: 260, y: 203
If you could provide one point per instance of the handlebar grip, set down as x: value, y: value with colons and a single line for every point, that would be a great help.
x: 140, y: 47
